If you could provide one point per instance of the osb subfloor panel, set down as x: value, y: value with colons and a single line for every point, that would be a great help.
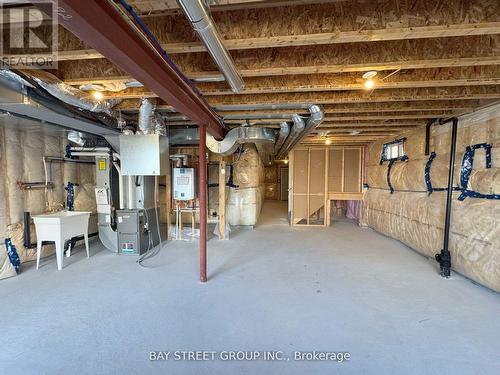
x: 274, y: 288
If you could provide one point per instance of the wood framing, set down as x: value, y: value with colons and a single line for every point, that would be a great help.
x: 434, y: 60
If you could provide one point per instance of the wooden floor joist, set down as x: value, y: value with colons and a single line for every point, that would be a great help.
x: 434, y: 60
x: 340, y: 82
x: 377, y: 96
x: 328, y: 59
x: 486, y: 28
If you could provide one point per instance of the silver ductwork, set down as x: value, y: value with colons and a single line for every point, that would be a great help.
x: 76, y: 137
x: 301, y: 129
x: 58, y: 89
x: 254, y: 107
x: 159, y: 125
x: 245, y: 116
x: 75, y: 97
x: 297, y: 129
x: 284, y: 131
x: 198, y: 14
x: 316, y: 118
x: 238, y: 136
x: 145, y: 120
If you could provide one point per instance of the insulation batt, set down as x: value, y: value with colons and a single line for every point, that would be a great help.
x: 245, y: 202
x: 271, y: 182
x: 417, y: 219
x: 21, y: 153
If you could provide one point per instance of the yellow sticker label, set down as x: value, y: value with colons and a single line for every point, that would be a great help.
x: 102, y: 164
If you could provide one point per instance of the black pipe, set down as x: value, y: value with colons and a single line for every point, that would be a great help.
x: 444, y: 258
x: 73, y: 240
x: 428, y: 135
x: 27, y: 232
x: 55, y: 159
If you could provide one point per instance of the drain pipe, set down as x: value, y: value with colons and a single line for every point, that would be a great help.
x: 444, y: 258
x: 198, y: 14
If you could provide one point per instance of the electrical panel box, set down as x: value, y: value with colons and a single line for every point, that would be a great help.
x: 144, y: 155
x: 183, y: 184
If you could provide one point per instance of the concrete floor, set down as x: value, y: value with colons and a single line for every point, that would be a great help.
x: 275, y: 288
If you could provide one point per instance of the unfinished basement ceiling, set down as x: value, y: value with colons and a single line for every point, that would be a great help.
x: 432, y: 59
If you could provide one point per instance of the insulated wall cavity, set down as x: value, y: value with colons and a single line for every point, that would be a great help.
x: 21, y: 161
x: 245, y: 202
x: 416, y: 218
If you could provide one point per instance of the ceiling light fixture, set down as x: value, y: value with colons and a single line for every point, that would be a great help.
x: 328, y: 141
x: 98, y: 95
x: 368, y: 77
x: 369, y: 84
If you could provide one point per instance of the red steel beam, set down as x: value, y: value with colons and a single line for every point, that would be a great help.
x: 202, y: 181
x: 100, y: 24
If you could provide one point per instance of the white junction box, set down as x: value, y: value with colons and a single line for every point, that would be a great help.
x: 183, y: 184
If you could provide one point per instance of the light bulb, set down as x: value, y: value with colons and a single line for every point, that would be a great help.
x: 98, y: 95
x: 369, y: 84
x: 328, y: 141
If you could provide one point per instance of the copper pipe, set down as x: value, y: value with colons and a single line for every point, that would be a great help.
x: 202, y: 183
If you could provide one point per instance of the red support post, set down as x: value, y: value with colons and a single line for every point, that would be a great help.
x: 202, y: 188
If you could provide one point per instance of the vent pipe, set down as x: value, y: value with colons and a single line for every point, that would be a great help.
x: 198, y: 14
x: 297, y: 129
x: 238, y: 136
x: 316, y: 118
x: 284, y: 131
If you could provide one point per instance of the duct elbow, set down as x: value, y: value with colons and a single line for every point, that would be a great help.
x: 317, y: 116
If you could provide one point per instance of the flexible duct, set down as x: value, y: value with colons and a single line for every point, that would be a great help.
x: 145, y: 121
x: 72, y: 96
x: 159, y: 125
x: 198, y: 14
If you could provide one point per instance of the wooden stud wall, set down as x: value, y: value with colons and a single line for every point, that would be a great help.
x: 338, y: 176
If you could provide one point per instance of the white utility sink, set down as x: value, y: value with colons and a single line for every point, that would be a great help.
x: 59, y: 227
